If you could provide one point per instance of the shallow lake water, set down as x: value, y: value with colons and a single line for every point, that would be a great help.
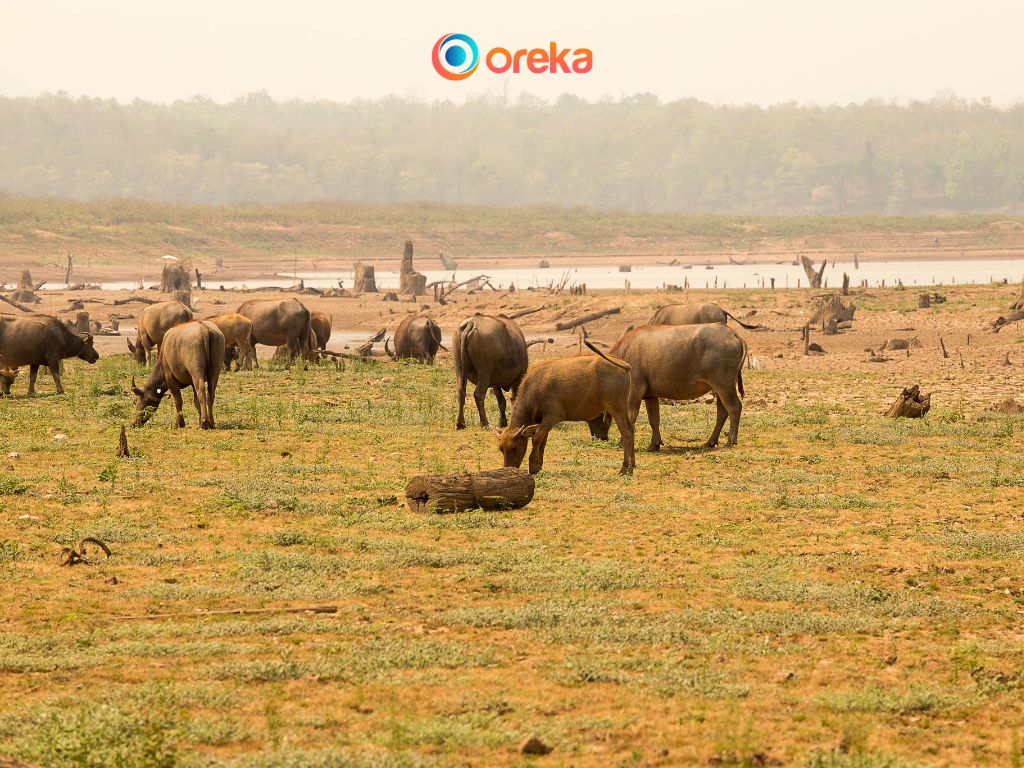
x: 787, y: 275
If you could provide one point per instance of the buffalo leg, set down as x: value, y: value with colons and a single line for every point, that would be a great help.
x: 540, y: 441
x: 460, y: 422
x: 719, y: 423
x: 654, y: 416
x: 33, y: 371
x: 176, y: 394
x: 734, y: 406
x: 625, y: 425
x: 500, y: 397
x: 480, y: 397
x: 54, y: 367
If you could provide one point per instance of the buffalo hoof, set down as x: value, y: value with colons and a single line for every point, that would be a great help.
x: 461, y: 425
x: 654, y: 447
x: 180, y: 423
x: 626, y: 471
x: 710, y: 446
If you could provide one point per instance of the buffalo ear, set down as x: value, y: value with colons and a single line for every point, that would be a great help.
x: 529, y: 431
x: 135, y: 388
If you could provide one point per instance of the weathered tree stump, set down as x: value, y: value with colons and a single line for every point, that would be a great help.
x: 846, y: 284
x: 82, y: 323
x: 911, y: 404
x: 176, y: 277
x: 505, y: 488
x: 185, y: 297
x: 924, y: 300
x: 833, y: 307
x: 410, y: 282
x: 364, y: 279
x: 813, y: 276
x: 122, y: 445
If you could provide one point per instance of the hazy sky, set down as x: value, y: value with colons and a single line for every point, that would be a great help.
x: 722, y: 51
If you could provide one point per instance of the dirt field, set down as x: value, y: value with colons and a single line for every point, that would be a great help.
x: 840, y: 589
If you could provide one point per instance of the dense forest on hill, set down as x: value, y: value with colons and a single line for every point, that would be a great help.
x: 636, y: 154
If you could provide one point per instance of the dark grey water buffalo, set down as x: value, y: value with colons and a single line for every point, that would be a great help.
x: 154, y: 321
x: 191, y: 355
x: 238, y: 343
x: 576, y: 388
x: 489, y: 351
x: 36, y: 340
x: 7, y: 376
x: 417, y: 338
x: 695, y: 314
x: 280, y: 323
x: 681, y: 362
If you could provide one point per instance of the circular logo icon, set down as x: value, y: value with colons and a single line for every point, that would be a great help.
x: 455, y: 56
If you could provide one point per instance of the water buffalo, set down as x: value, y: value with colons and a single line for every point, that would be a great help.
x: 695, y: 314
x: 489, y: 351
x: 417, y: 338
x: 154, y: 322
x: 191, y: 356
x: 7, y: 376
x: 36, y: 340
x: 681, y: 362
x: 576, y: 388
x: 238, y: 343
x: 321, y: 324
x: 280, y: 323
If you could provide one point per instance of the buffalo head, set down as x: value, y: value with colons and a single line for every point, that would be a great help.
x: 146, y: 401
x: 513, y: 442
x: 599, y: 426
x: 88, y: 353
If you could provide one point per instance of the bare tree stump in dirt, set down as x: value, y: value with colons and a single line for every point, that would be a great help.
x: 911, y: 404
x: 505, y: 488
x: 411, y: 282
x: 942, y: 346
x: 833, y: 307
x: 185, y: 297
x: 813, y: 277
x: 122, y: 445
x: 82, y: 323
x: 831, y: 327
x: 365, y: 281
x: 924, y: 300
x: 175, y: 277
x: 846, y: 284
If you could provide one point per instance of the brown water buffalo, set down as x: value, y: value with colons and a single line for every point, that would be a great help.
x: 7, y: 376
x: 191, y: 356
x: 576, y: 388
x: 238, y: 343
x: 154, y: 322
x: 489, y: 351
x: 35, y: 340
x: 695, y: 314
x: 417, y: 338
x: 321, y: 324
x: 280, y: 323
x: 681, y: 362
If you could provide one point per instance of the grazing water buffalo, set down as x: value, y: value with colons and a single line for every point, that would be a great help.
x: 490, y: 352
x: 191, y: 356
x: 238, y: 343
x: 417, y: 338
x: 154, y: 322
x: 7, y: 376
x: 568, y: 389
x: 681, y: 362
x: 695, y: 314
x: 280, y: 323
x: 36, y: 340
x: 321, y: 324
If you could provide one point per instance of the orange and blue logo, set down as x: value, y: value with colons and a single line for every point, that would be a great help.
x: 456, y: 56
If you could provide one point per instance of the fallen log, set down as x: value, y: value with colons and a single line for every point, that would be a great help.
x: 16, y: 305
x: 505, y: 488
x: 366, y: 348
x: 523, y: 312
x: 134, y: 299
x: 569, y: 325
x: 910, y: 404
x: 531, y: 342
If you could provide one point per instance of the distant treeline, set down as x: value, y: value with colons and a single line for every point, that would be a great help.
x: 634, y: 154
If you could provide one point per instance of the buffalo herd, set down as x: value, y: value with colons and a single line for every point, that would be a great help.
x: 684, y: 352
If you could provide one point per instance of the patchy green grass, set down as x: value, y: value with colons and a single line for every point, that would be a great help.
x: 838, y: 590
